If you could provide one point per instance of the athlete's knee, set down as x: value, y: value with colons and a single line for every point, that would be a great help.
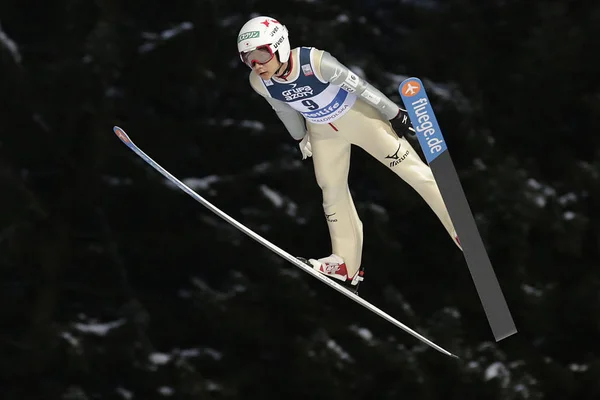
x: 331, y: 185
x: 333, y: 194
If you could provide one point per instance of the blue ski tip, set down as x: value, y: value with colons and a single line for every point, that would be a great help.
x: 122, y: 135
x: 410, y: 87
x: 423, y: 118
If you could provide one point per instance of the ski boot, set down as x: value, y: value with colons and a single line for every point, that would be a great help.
x: 334, y: 268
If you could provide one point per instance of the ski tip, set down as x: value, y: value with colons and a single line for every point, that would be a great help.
x: 410, y: 87
x: 122, y: 135
x: 411, y: 79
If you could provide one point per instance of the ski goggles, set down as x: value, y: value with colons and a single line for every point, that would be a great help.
x: 260, y: 55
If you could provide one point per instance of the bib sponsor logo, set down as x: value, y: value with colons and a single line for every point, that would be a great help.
x: 297, y: 93
x: 323, y: 111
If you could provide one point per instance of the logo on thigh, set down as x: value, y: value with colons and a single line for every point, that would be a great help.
x: 396, y: 158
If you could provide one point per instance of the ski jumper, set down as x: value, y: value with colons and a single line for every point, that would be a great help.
x: 336, y: 108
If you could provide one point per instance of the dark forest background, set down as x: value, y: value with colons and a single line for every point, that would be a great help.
x: 116, y: 285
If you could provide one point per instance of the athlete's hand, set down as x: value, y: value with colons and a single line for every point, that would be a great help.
x: 401, y: 123
x: 305, y: 147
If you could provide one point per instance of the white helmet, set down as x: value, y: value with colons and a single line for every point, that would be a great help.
x: 264, y: 32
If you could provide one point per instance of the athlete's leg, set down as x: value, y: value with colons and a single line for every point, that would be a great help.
x: 331, y: 160
x: 366, y: 129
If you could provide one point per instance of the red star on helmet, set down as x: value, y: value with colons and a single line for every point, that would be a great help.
x: 265, y: 23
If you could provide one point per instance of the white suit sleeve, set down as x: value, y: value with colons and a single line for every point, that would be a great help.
x: 331, y: 70
x: 292, y: 120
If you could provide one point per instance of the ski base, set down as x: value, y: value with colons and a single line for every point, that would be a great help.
x: 436, y: 152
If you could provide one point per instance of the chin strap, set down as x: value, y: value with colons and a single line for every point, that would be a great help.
x: 287, y: 69
x: 278, y: 69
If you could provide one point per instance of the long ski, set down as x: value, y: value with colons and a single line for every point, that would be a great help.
x: 288, y: 257
x: 436, y: 152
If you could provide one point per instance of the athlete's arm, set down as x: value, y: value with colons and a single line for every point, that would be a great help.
x: 331, y: 70
x: 292, y: 119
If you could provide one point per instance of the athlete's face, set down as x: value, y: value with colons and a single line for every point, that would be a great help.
x: 267, y: 70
